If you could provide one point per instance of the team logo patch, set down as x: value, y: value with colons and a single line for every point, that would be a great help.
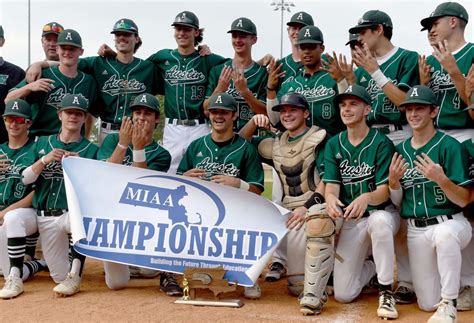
x: 338, y: 156
x: 104, y: 72
x: 3, y: 79
x: 199, y: 154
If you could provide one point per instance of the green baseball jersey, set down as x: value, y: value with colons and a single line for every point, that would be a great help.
x: 236, y: 157
x: 360, y: 169
x: 157, y: 157
x: 423, y: 198
x: 402, y: 70
x: 320, y: 90
x: 290, y: 67
x: 12, y: 188
x: 45, y: 105
x: 50, y: 192
x: 119, y: 84
x: 452, y: 109
x: 185, y: 81
x: 256, y: 76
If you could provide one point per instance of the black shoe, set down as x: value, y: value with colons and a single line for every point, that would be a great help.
x: 404, y: 295
x: 386, y: 307
x: 276, y: 272
x: 169, y: 284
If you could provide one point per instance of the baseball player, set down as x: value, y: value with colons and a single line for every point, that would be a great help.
x: 356, y: 165
x: 50, y: 210
x: 224, y: 157
x: 185, y: 75
x: 387, y: 74
x: 241, y: 77
x: 296, y: 156
x: 49, y: 39
x: 46, y: 93
x: 134, y: 146
x: 10, y: 75
x: 427, y: 176
x: 14, y: 195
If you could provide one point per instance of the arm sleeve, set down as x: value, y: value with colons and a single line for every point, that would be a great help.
x: 383, y: 160
x: 331, y: 167
x: 409, y: 75
x: 107, y: 148
x: 161, y: 162
x: 253, y: 171
x: 455, y: 163
x: 86, y: 64
x: 212, y: 82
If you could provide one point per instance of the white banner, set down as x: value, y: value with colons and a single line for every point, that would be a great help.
x: 168, y: 222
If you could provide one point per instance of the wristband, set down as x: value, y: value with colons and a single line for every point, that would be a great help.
x: 270, y: 89
x: 244, y: 185
x: 121, y: 146
x: 379, y: 78
x: 43, y: 161
x: 139, y: 156
x: 316, y: 198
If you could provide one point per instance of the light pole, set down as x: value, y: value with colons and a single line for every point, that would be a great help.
x: 283, y: 6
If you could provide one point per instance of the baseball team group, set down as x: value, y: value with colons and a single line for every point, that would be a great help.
x: 373, y: 153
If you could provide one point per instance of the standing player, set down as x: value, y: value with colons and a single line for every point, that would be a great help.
x: 356, y: 174
x: 224, y: 157
x: 185, y: 74
x: 15, y: 195
x: 427, y: 176
x: 242, y: 77
x: 296, y: 156
x: 385, y: 71
x: 49, y: 39
x: 46, y: 93
x: 134, y: 146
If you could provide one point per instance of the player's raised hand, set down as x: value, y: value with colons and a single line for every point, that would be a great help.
x: 297, y: 218
x: 34, y: 72
x: 195, y: 172
x: 444, y: 56
x: 274, y: 74
x: 139, y: 135
x: 334, y: 207
x: 4, y: 163
x: 364, y: 58
x: 224, y: 79
x: 240, y: 82
x: 357, y: 208
x: 424, y: 70
x: 106, y: 51
x: 125, y: 133
x: 432, y: 171
x: 41, y: 85
x: 332, y: 67
x: 397, y: 169
x: 347, y: 69
x: 261, y: 121
x: 226, y: 180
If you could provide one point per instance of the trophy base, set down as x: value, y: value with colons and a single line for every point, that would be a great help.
x: 209, y: 302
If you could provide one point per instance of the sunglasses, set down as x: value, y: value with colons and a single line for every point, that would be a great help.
x: 15, y: 119
x: 52, y: 28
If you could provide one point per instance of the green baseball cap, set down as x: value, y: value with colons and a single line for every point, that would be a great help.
x: 19, y: 108
x: 294, y: 99
x: 125, y: 25
x: 186, y: 18
x: 372, y: 18
x: 243, y: 25
x: 2, y: 34
x: 52, y: 28
x: 353, y: 38
x: 357, y: 91
x: 453, y: 9
x: 146, y: 100
x: 301, y: 18
x: 74, y: 101
x: 70, y: 37
x: 420, y: 94
x: 222, y: 101
x: 310, y: 35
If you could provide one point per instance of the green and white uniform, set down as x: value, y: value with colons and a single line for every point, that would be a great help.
x: 45, y: 105
x: 453, y: 118
x: 157, y: 158
x: 319, y: 89
x: 357, y: 170
x: 185, y: 82
x: 236, y: 157
x: 256, y: 76
x: 437, y: 229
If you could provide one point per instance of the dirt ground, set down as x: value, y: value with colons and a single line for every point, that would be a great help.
x: 142, y: 301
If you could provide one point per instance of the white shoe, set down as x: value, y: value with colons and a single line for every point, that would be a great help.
x: 253, y: 292
x: 464, y: 299
x: 386, y: 307
x: 69, y: 286
x: 446, y: 313
x: 13, y: 287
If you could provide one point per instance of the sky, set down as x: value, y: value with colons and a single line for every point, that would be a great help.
x: 94, y: 21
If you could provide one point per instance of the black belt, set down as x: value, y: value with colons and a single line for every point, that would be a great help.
x: 421, y: 223
x: 51, y: 212
x: 110, y: 126
x: 186, y: 122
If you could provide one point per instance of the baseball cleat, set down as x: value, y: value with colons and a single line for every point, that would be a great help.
x: 253, y: 292
x: 169, y: 284
x: 276, y: 272
x: 312, y: 305
x: 404, y: 295
x: 446, y: 313
x: 69, y: 286
x: 464, y: 299
x: 387, y: 308
x: 13, y: 287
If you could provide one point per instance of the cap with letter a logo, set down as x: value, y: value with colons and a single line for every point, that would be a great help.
x: 70, y: 37
x: 370, y: 19
x: 292, y: 99
x: 222, y: 101
x: 301, y: 18
x: 125, y: 25
x: 74, y: 101
x: 357, y: 91
x: 146, y: 100
x: 186, y: 18
x: 452, y: 9
x: 310, y: 35
x: 420, y: 94
x: 19, y: 108
x: 244, y: 25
